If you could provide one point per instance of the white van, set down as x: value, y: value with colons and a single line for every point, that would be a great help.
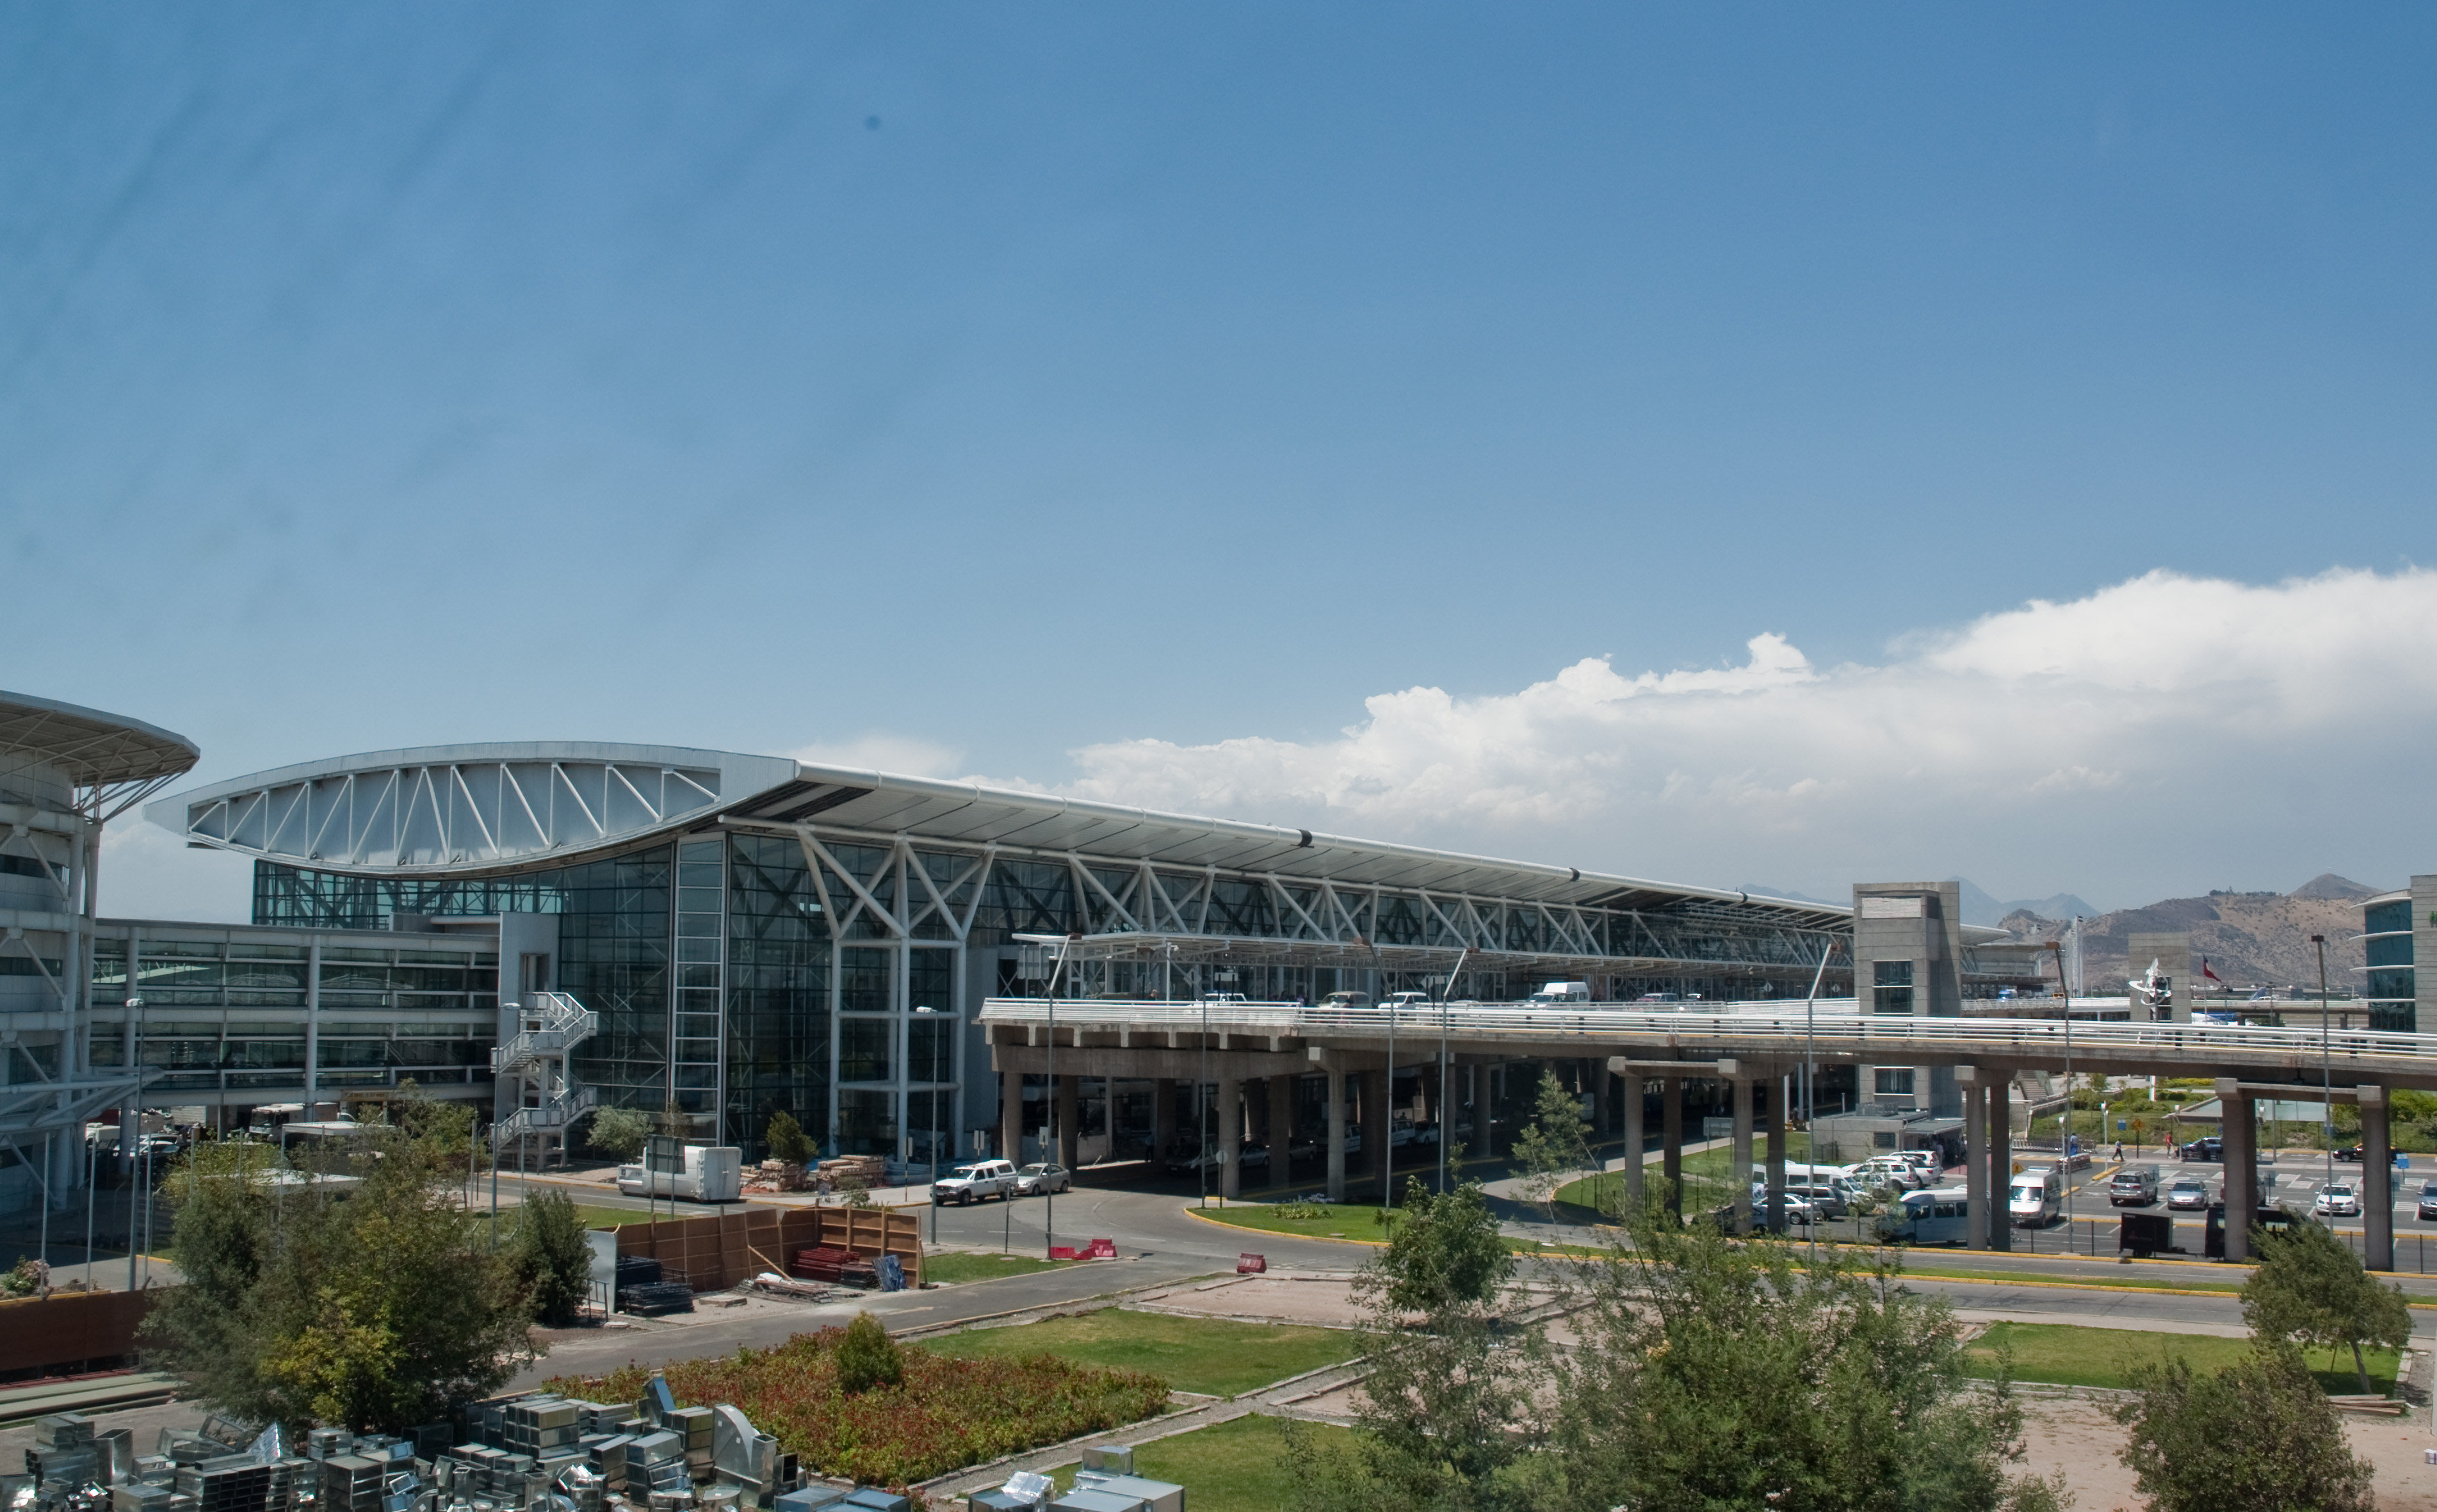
x: 1938, y: 1216
x: 2035, y: 1198
x: 1560, y: 994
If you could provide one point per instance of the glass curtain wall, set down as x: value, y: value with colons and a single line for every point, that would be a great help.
x: 778, y: 993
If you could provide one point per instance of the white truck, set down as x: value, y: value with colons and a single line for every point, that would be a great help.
x: 1562, y: 993
x: 710, y: 1172
x: 971, y: 1183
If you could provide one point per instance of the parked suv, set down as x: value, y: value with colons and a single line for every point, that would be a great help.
x: 2428, y: 1200
x: 2133, y: 1187
x: 970, y: 1184
x: 2207, y: 1150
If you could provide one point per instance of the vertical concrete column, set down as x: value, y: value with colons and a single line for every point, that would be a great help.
x: 1069, y: 1123
x: 2239, y: 1145
x: 1336, y: 1074
x: 1163, y: 1120
x: 1376, y: 1126
x: 1597, y: 1073
x: 1632, y: 1093
x: 1739, y: 1172
x: 1010, y: 1116
x: 1776, y: 1125
x: 1976, y: 1154
x: 1231, y: 1136
x: 1483, y: 1146
x: 2000, y: 1123
x: 2377, y: 1181
x: 1670, y: 1140
x: 1282, y: 1125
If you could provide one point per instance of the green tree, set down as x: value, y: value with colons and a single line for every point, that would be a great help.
x: 787, y: 1140
x: 2258, y: 1435
x: 1554, y: 1143
x: 867, y: 1357
x: 2311, y: 1288
x: 1708, y: 1372
x: 379, y: 1308
x: 1443, y: 1253
x: 619, y: 1133
x: 554, y: 1261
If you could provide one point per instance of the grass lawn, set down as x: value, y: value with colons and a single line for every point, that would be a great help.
x: 2067, y: 1355
x: 957, y: 1268
x: 1216, y: 1356
x: 1350, y: 1220
x: 1233, y: 1467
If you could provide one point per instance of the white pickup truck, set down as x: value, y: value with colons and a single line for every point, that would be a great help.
x: 970, y: 1184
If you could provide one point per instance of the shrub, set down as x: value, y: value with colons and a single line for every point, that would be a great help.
x: 787, y: 1140
x: 2258, y: 1433
x: 554, y: 1262
x: 943, y: 1414
x: 619, y: 1133
x: 867, y: 1357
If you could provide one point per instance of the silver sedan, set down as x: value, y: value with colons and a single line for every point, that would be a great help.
x: 1032, y: 1180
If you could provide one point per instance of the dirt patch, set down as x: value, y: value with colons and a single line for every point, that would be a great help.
x: 2082, y: 1438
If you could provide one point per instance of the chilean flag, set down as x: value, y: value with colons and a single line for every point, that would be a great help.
x: 2206, y: 975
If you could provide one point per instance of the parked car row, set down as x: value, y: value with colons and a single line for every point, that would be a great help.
x: 1003, y: 1179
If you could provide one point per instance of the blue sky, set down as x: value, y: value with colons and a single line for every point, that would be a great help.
x: 998, y: 389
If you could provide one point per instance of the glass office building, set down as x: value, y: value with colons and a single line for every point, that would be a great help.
x: 758, y: 934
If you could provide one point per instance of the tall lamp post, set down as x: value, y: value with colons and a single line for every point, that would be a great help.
x: 2327, y: 1074
x: 2065, y: 1129
x: 1446, y: 1114
x: 1224, y: 976
x: 1036, y: 964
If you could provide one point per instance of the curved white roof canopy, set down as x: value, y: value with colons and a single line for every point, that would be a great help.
x: 104, y: 754
x: 473, y: 809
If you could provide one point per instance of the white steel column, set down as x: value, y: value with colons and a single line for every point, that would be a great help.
x: 313, y: 1024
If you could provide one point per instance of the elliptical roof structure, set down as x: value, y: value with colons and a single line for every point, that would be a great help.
x: 103, y: 754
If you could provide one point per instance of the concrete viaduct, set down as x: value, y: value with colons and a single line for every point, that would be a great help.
x: 1741, y: 1046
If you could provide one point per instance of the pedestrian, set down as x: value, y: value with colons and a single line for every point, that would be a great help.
x: 2119, y: 1151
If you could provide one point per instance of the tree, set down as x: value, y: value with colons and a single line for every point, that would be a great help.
x: 619, y: 1133
x: 867, y: 1357
x: 787, y: 1140
x: 1443, y: 1253
x: 1443, y: 1421
x: 554, y: 1260
x: 2311, y: 1288
x: 1707, y: 1372
x: 2258, y: 1433
x: 379, y: 1308
x: 1553, y: 1144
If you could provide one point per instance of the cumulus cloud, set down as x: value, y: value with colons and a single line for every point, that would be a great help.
x: 2165, y: 733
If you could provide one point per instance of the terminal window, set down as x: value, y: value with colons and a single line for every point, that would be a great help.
x: 1891, y: 987
x: 1894, y: 1081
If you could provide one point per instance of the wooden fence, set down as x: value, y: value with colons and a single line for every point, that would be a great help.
x: 714, y: 1253
x: 87, y: 1329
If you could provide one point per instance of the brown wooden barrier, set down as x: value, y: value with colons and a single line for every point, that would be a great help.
x: 69, y: 1328
x: 711, y: 1254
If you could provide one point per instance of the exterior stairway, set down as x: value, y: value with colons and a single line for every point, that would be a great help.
x: 550, y: 1026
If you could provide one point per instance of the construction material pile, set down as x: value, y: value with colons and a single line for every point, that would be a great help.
x: 644, y: 1289
x: 1107, y: 1483
x: 849, y: 1172
x: 228, y: 1467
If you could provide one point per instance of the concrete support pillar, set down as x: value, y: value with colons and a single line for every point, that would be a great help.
x: 1163, y: 1120
x: 1597, y: 1073
x: 1484, y: 1144
x: 1777, y: 1156
x: 1633, y: 1188
x: 1282, y: 1123
x: 1010, y: 1117
x: 1335, y: 1137
x: 1376, y: 1125
x: 2377, y: 1181
x: 1976, y: 1154
x: 1670, y: 1140
x: 2239, y: 1144
x: 1999, y: 1121
x: 1231, y: 1136
x: 1070, y: 1125
x: 1740, y: 1161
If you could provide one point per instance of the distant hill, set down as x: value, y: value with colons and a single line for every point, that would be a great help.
x: 2249, y: 939
x: 1979, y: 907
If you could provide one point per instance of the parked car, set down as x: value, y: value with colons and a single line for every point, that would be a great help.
x: 1828, y: 1199
x: 2190, y: 1194
x: 1889, y: 1170
x: 970, y: 1184
x: 2035, y: 1197
x: 2133, y: 1187
x: 1043, y: 1176
x: 2208, y: 1149
x: 2351, y: 1152
x: 2336, y: 1200
x: 1924, y: 1161
x: 1346, y: 1000
x: 1255, y: 1156
x: 2428, y: 1200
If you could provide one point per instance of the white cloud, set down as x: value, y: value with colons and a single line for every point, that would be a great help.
x: 2163, y: 734
x: 902, y: 753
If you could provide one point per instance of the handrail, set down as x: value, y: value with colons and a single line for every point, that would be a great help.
x: 1474, y: 1020
x: 561, y: 1023
x: 556, y: 1113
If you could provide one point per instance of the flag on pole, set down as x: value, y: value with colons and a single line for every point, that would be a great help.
x: 2206, y: 975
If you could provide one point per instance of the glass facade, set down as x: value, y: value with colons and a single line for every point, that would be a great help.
x: 1891, y: 987
x: 778, y: 990
x: 2390, y: 985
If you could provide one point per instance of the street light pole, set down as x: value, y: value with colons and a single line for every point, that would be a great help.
x: 2327, y: 1074
x: 2065, y: 1129
x: 1446, y: 1114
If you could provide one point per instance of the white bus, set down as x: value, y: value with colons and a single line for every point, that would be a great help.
x: 1940, y: 1216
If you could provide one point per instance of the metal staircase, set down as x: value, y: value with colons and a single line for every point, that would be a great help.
x: 545, y: 1099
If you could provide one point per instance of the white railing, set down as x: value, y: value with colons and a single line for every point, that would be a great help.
x: 549, y: 1118
x: 2039, y: 1037
x: 551, y: 1023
